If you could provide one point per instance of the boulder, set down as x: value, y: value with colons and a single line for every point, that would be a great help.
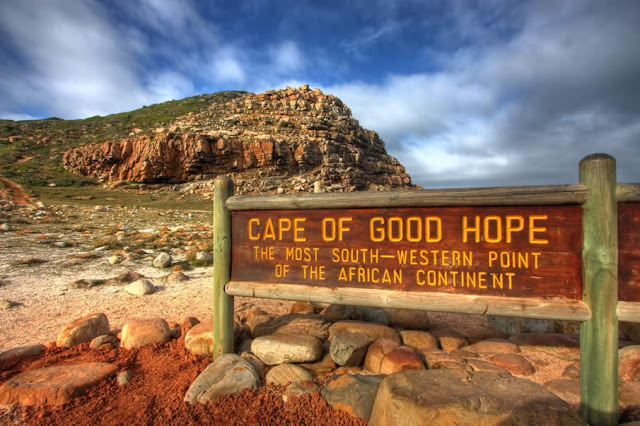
x: 284, y: 374
x: 494, y: 346
x: 568, y: 390
x: 480, y: 365
x: 227, y: 375
x: 12, y: 357
x: 375, y: 331
x: 199, y: 338
x: 450, y: 340
x: 310, y: 324
x: 54, y: 385
x: 299, y: 388
x: 516, y: 364
x: 83, y: 330
x: 376, y: 353
x: 141, y: 287
x: 440, y: 359
x: 349, y: 348
x: 163, y: 260
x: 105, y: 340
x: 444, y: 397
x: 357, y: 313
x: 354, y: 394
x: 281, y: 348
x: 324, y: 366
x: 400, y: 358
x: 629, y: 363
x: 419, y: 339
x: 141, y: 332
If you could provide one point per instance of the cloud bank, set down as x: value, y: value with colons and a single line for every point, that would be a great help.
x: 464, y: 94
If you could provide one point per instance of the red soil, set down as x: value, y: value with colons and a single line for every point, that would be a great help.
x: 161, y: 376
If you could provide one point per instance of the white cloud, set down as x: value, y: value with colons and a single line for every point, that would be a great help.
x: 228, y: 67
x: 286, y: 57
x: 522, y: 110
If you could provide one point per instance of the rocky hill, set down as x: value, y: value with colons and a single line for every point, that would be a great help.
x: 288, y: 140
x: 281, y: 140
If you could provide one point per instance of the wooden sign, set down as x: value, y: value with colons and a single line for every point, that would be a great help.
x: 528, y: 251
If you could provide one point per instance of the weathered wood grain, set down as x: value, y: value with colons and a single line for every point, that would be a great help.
x: 523, y: 307
x: 599, y: 334
x: 503, y: 196
x: 222, y: 302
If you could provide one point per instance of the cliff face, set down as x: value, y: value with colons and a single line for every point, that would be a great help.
x: 286, y: 139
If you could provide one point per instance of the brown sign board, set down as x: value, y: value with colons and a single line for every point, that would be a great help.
x: 524, y: 251
x: 629, y: 252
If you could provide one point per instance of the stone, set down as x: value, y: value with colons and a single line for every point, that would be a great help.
x: 444, y: 397
x: 141, y: 287
x: 494, y: 346
x: 513, y: 325
x: 61, y: 244
x: 419, y: 339
x: 204, y: 257
x: 5, y: 227
x: 410, y: 319
x: 7, y: 304
x: 141, y: 332
x: 324, y: 366
x: 187, y: 324
x: 83, y: 330
x: 376, y: 353
x: 400, y: 358
x: 228, y: 374
x: 105, y: 339
x: 54, y: 385
x: 114, y: 260
x: 255, y: 362
x: 375, y: 331
x: 349, y: 348
x: 351, y: 369
x: 572, y: 372
x: 163, y: 260
x: 568, y: 390
x: 14, y: 356
x: 480, y: 365
x: 450, y: 340
x: 124, y: 377
x: 299, y: 388
x: 199, y: 339
x: 629, y: 363
x: 354, y: 394
x: 317, y: 140
x: 310, y: 324
x: 516, y: 364
x: 302, y: 308
x: 284, y: 348
x: 284, y: 374
x: 629, y: 393
x: 177, y: 277
x: 441, y: 359
x: 563, y: 346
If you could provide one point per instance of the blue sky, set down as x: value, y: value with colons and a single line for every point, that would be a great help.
x: 464, y: 93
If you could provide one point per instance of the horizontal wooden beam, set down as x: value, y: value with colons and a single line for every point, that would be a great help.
x: 505, y: 196
x: 560, y: 309
x: 628, y: 192
x: 628, y: 311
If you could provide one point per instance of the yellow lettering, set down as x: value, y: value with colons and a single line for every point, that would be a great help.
x: 533, y: 229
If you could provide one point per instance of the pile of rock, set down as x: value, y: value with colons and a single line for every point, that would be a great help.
x: 377, y: 364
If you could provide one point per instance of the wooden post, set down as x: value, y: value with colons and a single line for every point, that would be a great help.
x: 222, y: 303
x: 599, y: 335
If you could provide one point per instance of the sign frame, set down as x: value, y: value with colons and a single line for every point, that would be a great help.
x: 599, y: 310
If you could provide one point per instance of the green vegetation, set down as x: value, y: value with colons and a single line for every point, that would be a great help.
x: 31, y: 151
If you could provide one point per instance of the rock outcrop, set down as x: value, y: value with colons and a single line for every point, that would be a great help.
x: 263, y: 140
